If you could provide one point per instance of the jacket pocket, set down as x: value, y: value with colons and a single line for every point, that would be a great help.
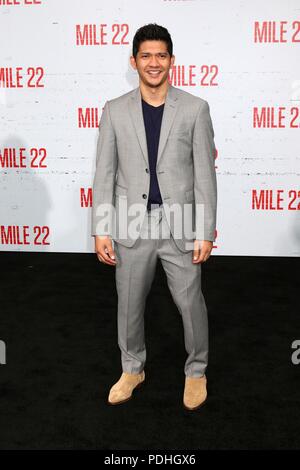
x: 179, y: 134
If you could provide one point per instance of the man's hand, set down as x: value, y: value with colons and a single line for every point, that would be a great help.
x: 104, y: 250
x: 202, y: 250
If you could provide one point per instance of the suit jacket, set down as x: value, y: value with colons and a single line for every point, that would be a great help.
x: 185, y: 167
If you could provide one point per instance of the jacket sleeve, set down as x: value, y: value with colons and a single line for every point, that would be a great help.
x: 104, y: 178
x: 205, y: 181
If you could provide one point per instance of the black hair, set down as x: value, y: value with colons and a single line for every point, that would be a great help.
x: 151, y: 32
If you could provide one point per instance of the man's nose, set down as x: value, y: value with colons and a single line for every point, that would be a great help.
x: 154, y: 61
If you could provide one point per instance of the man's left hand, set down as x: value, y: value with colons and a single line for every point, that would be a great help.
x: 202, y: 250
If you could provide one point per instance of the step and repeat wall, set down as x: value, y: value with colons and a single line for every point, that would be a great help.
x: 60, y: 60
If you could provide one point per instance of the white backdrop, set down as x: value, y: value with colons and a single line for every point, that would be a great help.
x: 241, y: 56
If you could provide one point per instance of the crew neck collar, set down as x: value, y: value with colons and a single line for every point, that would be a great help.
x: 156, y: 107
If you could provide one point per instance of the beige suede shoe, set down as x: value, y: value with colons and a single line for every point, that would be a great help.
x: 122, y: 390
x: 195, y: 392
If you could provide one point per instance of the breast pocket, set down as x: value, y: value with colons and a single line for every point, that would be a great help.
x: 179, y: 134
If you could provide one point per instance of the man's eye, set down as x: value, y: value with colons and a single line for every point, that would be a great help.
x: 162, y: 56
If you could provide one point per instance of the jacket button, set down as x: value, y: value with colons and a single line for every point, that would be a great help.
x: 147, y: 171
x: 145, y: 196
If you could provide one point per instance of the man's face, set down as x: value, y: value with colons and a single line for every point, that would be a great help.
x: 153, y: 63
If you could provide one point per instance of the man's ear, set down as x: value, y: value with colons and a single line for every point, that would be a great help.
x: 132, y: 61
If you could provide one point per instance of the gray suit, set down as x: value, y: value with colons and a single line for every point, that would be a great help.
x: 186, y: 176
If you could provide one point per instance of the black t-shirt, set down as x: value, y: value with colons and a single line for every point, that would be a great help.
x: 152, y: 120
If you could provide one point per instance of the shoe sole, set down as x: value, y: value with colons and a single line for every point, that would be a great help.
x: 126, y: 399
x: 195, y: 407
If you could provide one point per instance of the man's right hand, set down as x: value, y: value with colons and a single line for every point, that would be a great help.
x: 104, y: 249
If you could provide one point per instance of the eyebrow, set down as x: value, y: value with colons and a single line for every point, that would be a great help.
x: 165, y: 52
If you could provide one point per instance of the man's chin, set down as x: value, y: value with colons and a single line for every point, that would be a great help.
x: 154, y: 84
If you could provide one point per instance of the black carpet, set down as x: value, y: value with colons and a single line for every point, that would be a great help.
x: 58, y: 320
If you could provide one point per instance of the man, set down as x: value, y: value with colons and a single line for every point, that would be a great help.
x: 156, y: 150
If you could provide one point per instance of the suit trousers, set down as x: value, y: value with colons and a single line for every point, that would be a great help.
x: 134, y: 273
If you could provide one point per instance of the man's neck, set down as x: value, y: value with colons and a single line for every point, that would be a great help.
x: 154, y: 96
